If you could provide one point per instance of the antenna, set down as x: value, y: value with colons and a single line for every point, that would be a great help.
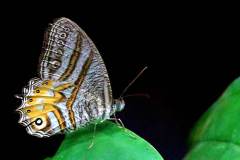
x: 138, y: 94
x: 129, y: 85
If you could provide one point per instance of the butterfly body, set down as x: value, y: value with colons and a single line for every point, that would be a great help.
x: 73, y: 89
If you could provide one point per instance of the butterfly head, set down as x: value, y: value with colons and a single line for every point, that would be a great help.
x: 119, y: 104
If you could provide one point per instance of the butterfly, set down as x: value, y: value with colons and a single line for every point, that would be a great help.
x: 73, y: 88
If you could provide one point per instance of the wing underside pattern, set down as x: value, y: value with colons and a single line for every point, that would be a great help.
x: 69, y: 55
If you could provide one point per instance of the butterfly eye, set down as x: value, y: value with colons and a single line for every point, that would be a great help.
x: 37, y: 91
x: 38, y: 121
x: 30, y: 100
x: 28, y: 111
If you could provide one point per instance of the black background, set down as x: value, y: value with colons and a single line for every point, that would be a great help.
x: 191, y: 56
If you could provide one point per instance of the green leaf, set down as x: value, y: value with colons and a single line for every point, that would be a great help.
x: 216, y: 135
x: 111, y: 142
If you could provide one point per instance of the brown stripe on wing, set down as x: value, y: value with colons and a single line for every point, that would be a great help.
x: 58, y: 114
x: 76, y: 89
x: 48, y: 126
x: 73, y: 60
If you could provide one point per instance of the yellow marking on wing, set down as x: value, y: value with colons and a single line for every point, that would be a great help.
x: 44, y: 119
x: 38, y: 110
x: 32, y: 100
x: 48, y: 84
x: 63, y: 87
x: 42, y: 91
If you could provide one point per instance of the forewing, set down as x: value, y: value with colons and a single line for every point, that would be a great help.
x: 69, y: 55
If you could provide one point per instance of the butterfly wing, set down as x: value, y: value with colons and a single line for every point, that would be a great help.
x: 66, y: 48
x: 69, y: 55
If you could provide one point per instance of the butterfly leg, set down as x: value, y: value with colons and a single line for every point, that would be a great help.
x: 93, y: 137
x: 117, y: 120
x: 121, y: 125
